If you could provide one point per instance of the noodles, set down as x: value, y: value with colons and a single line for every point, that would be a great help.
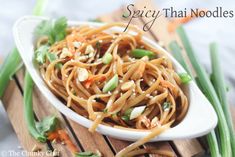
x: 117, y: 79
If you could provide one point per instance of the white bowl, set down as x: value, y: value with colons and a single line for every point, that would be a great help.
x: 200, y: 119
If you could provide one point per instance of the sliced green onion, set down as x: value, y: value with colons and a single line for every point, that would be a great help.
x: 127, y: 113
x: 185, y: 78
x: 105, y: 110
x: 220, y: 87
x: 107, y: 58
x: 111, y: 84
x: 166, y: 106
x: 139, y: 53
x: 125, y: 118
x: 210, y: 93
x: 137, y: 111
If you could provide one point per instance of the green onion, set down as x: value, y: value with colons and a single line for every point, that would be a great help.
x: 107, y: 58
x: 127, y: 113
x: 210, y: 94
x: 125, y: 118
x: 105, y: 110
x: 28, y: 109
x: 28, y: 90
x: 213, y: 144
x: 86, y: 154
x: 220, y: 87
x: 139, y: 53
x: 177, y: 53
x: 111, y: 84
x: 185, y: 78
x: 211, y: 137
x: 166, y: 106
x: 8, y: 68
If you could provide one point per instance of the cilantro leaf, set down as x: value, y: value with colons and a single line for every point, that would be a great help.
x: 48, y: 124
x: 51, y: 56
x: 43, y: 28
x: 59, y: 30
x: 55, y: 30
x: 40, y: 54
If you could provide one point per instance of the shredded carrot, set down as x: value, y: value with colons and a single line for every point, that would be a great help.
x: 61, y: 135
x: 178, y: 21
x: 52, y: 136
x: 92, y: 78
x: 65, y: 137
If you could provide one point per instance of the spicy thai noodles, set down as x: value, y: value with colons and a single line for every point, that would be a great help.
x: 117, y: 79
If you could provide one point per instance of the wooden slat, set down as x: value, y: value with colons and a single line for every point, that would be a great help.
x: 13, y: 104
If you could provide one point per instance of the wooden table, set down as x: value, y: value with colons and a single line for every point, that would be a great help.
x: 85, y: 140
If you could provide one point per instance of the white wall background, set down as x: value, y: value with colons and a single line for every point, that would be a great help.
x: 200, y: 31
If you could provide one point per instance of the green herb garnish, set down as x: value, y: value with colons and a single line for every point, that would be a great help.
x: 139, y: 53
x: 48, y: 124
x: 166, y: 106
x: 41, y: 53
x: 54, y: 30
x: 127, y: 113
x: 111, y: 84
x: 107, y: 58
x: 185, y: 78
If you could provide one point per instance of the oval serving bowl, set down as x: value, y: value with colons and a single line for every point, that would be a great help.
x: 199, y: 120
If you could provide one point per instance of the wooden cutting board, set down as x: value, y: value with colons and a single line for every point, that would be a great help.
x: 86, y: 141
